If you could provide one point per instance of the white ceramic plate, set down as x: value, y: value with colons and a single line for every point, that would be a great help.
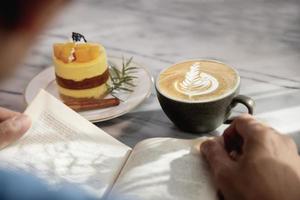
x: 46, y: 80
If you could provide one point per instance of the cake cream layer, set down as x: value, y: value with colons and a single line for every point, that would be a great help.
x: 95, y: 92
x: 79, y: 71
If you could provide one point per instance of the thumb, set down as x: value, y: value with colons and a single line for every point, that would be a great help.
x: 219, y: 161
x: 12, y: 129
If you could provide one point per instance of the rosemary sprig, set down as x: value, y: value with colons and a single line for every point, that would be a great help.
x: 122, y: 79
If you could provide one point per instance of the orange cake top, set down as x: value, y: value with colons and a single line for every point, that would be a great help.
x: 76, y: 52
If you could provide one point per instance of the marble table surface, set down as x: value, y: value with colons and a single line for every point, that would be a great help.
x: 259, y: 38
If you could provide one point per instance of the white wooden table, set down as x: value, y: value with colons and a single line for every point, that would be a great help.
x: 260, y: 38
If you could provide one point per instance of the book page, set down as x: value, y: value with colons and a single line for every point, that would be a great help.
x: 61, y: 146
x: 166, y: 169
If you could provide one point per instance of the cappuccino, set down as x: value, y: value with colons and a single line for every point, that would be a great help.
x: 197, y: 81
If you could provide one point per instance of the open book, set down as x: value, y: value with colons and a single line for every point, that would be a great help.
x: 61, y: 146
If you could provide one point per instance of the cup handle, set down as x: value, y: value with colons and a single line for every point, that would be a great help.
x: 246, y: 101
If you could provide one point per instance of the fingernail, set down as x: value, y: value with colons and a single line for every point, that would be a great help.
x: 204, y: 147
x: 21, y: 122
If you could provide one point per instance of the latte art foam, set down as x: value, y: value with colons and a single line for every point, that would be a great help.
x: 196, y: 81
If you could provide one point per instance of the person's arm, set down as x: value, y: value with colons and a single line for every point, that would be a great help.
x: 12, y: 126
x: 267, y: 168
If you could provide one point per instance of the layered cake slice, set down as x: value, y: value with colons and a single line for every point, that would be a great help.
x: 81, y: 69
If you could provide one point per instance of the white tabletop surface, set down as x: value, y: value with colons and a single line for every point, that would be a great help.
x: 259, y: 38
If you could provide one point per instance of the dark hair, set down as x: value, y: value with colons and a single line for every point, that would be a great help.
x: 17, y: 13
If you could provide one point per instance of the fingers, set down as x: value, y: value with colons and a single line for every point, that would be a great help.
x: 6, y: 114
x: 241, y: 126
x: 248, y: 128
x: 12, y: 129
x: 217, y: 158
x: 255, y: 137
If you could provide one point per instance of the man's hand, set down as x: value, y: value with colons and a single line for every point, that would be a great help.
x: 268, y: 167
x: 12, y: 126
